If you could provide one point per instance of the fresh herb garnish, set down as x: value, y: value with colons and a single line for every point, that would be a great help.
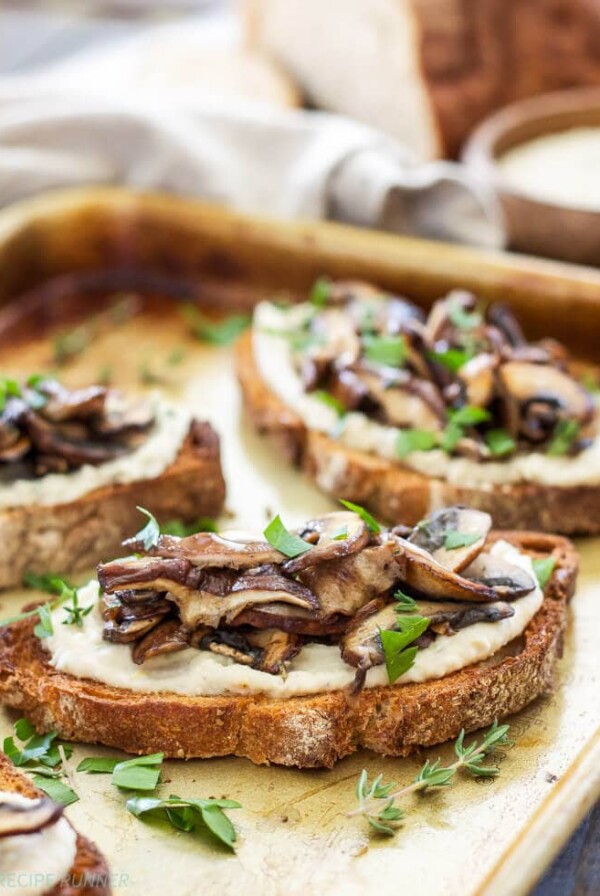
x: 341, y: 534
x: 44, y: 628
x: 543, y: 567
x: 150, y: 534
x: 461, y: 318
x: 9, y: 388
x: 52, y: 585
x: 76, y: 613
x: 330, y: 400
x: 499, y: 442
x: 455, y: 539
x: 404, y: 603
x: 42, y: 756
x: 139, y: 773
x: 217, y: 332
x: 182, y: 530
x: 459, y: 420
x: 409, y: 440
x: 189, y: 815
x: 320, y: 293
x: 365, y: 516
x: 565, y: 433
x: 284, y: 541
x: 590, y: 381
x: 390, y: 351
x: 176, y: 357
x: 377, y: 802
x: 399, y: 657
x: 453, y: 358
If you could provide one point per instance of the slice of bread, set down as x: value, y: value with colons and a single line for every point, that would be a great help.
x: 63, y: 538
x: 307, y: 731
x: 395, y: 493
x: 89, y: 875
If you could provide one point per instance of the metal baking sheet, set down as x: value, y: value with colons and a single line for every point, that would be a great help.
x: 477, y: 838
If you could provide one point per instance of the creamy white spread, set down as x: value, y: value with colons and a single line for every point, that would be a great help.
x: 151, y: 458
x: 356, y: 431
x: 561, y: 168
x: 317, y: 668
x: 31, y: 864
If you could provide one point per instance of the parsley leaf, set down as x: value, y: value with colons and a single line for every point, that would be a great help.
x: 150, y: 534
x: 284, y: 541
x: 404, y: 603
x: 39, y: 755
x: 181, y: 529
x: 221, y: 332
x: 565, y: 433
x: 8, y: 389
x: 364, y: 515
x: 56, y: 789
x: 188, y: 815
x: 330, y: 400
x: 399, y: 657
x: 44, y: 628
x: 139, y: 773
x: 499, y: 442
x: 320, y: 292
x: 409, y: 440
x: 543, y: 567
x: 387, y: 350
x: 453, y: 358
x: 455, y: 539
x: 469, y: 415
x: 460, y: 317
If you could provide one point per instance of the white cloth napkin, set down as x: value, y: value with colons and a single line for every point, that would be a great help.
x: 87, y: 122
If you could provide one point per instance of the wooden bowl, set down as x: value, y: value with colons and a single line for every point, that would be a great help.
x: 535, y: 226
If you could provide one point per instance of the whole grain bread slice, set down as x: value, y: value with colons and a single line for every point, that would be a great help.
x: 396, y: 493
x: 89, y: 875
x: 309, y: 731
x: 77, y: 535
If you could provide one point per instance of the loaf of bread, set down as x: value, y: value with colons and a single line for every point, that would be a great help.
x: 427, y: 71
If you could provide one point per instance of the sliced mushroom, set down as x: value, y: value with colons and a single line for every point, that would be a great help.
x: 47, y: 439
x: 64, y: 404
x: 124, y: 415
x: 431, y: 535
x: 439, y: 325
x: 508, y: 580
x: 206, y: 549
x: 340, y: 340
x: 536, y: 395
x: 405, y: 400
x: 503, y: 318
x: 334, y: 535
x: 128, y: 630
x: 15, y: 449
x: 168, y: 637
x: 294, y: 620
x: 429, y: 578
x: 477, y: 377
x: 18, y: 818
x: 276, y: 649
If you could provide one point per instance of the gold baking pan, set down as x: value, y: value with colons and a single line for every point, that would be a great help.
x: 474, y: 839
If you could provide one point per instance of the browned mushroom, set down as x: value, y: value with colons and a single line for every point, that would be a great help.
x: 168, y: 637
x: 276, y: 649
x: 18, y: 818
x: 206, y: 549
x: 437, y: 533
x: 503, y: 318
x: 478, y: 379
x: 334, y: 535
x: 508, y: 580
x: 64, y: 404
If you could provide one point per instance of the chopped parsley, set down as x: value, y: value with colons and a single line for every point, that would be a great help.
x: 189, y: 815
x: 320, y: 293
x: 499, y: 442
x: 365, y: 516
x: 399, y: 656
x: 409, y: 440
x: 455, y: 539
x: 216, y: 332
x: 543, y: 567
x: 453, y: 358
x: 461, y: 318
x: 285, y: 541
x: 565, y: 433
x: 390, y: 351
x: 150, y: 534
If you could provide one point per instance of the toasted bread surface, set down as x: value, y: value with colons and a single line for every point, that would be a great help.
x: 76, y: 535
x: 89, y: 875
x: 396, y: 493
x: 309, y: 731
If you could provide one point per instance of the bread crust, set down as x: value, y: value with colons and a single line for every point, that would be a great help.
x: 77, y: 535
x: 89, y: 875
x: 309, y: 731
x: 395, y: 493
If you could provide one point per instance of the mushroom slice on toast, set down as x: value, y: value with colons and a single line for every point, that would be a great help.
x: 17, y: 819
x: 206, y: 549
x: 453, y: 536
x: 334, y: 535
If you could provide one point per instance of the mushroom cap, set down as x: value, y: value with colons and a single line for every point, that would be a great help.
x: 19, y: 816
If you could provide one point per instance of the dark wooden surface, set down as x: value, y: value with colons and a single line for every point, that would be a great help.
x: 33, y: 34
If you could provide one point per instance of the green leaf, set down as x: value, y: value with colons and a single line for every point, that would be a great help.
x: 589, y: 381
x: 381, y: 827
x: 49, y: 582
x: 71, y: 343
x: 187, y: 815
x: 453, y: 358
x: 284, y: 541
x: 222, y: 332
x: 398, y: 656
x: 461, y: 318
x: 150, y: 534
x: 55, y: 789
x: 330, y: 400
x: 319, y: 295
x: 565, y: 433
x: 9, y: 388
x: 469, y: 415
x: 24, y: 729
x: 543, y: 567
x: 98, y: 765
x: 455, y: 539
x: 176, y: 357
x: 141, y: 773
x: 390, y: 351
x: 364, y: 515
x: 409, y: 440
x: 404, y: 603
x: 499, y: 442
x: 182, y: 530
x: 450, y: 438
x: 44, y: 627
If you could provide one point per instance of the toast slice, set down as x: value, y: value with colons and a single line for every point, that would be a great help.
x: 89, y: 875
x: 73, y: 536
x: 394, y: 492
x: 309, y: 731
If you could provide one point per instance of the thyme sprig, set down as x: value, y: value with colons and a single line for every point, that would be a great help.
x: 377, y: 801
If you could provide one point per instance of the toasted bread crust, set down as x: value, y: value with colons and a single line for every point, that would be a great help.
x: 307, y: 731
x: 395, y: 493
x: 89, y: 875
x: 67, y: 537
